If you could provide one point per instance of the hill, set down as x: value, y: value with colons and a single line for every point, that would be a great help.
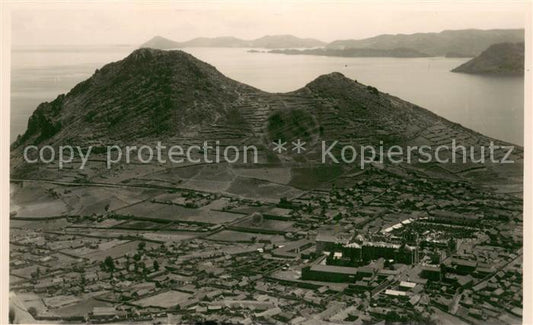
x: 469, y: 42
x: 500, y: 59
x: 159, y: 42
x: 149, y: 93
x: 155, y: 93
x: 172, y: 97
x: 269, y: 42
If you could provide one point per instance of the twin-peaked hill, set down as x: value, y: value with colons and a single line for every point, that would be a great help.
x: 170, y: 96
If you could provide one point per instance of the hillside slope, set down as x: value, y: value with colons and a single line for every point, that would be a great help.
x: 499, y: 59
x: 172, y: 97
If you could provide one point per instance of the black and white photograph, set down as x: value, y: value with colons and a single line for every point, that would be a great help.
x: 266, y: 162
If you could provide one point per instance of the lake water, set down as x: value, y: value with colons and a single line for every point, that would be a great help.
x: 490, y: 105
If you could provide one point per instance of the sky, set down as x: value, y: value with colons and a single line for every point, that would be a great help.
x: 53, y: 23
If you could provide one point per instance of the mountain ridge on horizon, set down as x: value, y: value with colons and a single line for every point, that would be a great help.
x: 267, y: 41
x: 463, y: 42
x: 453, y: 43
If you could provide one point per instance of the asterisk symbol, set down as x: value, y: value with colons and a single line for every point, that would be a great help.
x: 279, y: 146
x: 298, y: 146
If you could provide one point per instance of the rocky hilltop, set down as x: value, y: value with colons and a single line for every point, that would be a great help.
x: 498, y: 59
x: 170, y: 96
x: 149, y: 93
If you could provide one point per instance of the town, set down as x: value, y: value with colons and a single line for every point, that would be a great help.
x: 385, y: 249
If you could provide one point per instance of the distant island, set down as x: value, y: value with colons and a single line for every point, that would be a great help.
x: 464, y: 43
x: 499, y: 59
x: 268, y: 42
x: 356, y: 52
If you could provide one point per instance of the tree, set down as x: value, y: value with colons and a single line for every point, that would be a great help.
x: 156, y: 265
x: 141, y: 246
x: 142, y: 267
x: 109, y: 264
x: 128, y: 262
x: 284, y: 203
x: 443, y: 270
x: 452, y: 245
x: 393, y: 316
